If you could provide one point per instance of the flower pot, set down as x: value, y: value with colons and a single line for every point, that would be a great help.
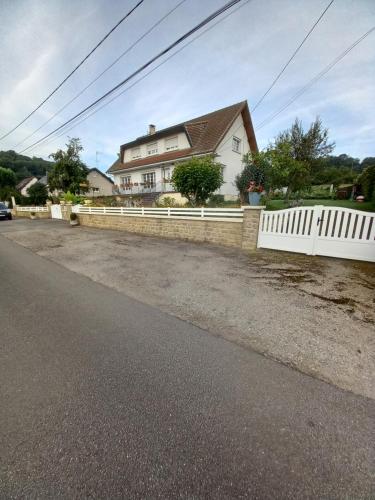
x: 32, y: 217
x: 74, y: 222
x: 254, y: 198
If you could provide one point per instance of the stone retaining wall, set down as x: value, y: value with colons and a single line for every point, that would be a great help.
x: 240, y: 233
x: 38, y: 215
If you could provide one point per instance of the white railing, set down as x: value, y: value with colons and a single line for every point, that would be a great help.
x: 32, y: 209
x: 219, y: 214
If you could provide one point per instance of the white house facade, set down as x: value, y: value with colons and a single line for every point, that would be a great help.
x: 146, y: 164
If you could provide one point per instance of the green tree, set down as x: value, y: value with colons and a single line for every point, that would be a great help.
x: 197, y: 179
x: 38, y: 194
x: 367, y: 162
x: 7, y: 178
x: 367, y: 182
x: 68, y: 172
x: 296, y: 154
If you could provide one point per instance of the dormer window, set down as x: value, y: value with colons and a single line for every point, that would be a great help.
x: 236, y: 144
x: 152, y: 148
x: 136, y: 153
x: 171, y: 143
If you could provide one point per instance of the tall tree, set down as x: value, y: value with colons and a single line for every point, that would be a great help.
x: 69, y: 172
x: 296, y: 154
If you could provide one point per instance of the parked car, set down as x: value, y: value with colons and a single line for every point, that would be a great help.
x: 5, y: 212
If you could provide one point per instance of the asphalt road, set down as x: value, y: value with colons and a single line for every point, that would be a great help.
x: 105, y: 397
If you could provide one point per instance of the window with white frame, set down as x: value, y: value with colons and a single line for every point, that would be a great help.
x: 126, y: 181
x: 149, y: 178
x: 136, y: 153
x: 171, y: 143
x: 152, y: 148
x: 236, y: 144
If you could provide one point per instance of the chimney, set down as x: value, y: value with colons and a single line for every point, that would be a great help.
x: 151, y: 129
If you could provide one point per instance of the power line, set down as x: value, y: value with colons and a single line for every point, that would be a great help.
x: 292, y: 57
x: 102, y: 73
x: 142, y: 77
x: 315, y: 79
x: 211, y: 17
x: 75, y: 69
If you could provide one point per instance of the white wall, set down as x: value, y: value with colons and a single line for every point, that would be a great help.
x: 231, y: 160
x: 98, y: 181
x: 29, y: 184
x: 182, y: 144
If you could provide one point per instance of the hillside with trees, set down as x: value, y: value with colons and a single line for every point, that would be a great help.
x: 24, y: 166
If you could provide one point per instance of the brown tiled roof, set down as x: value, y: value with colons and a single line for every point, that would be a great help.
x: 204, y: 134
x: 24, y: 183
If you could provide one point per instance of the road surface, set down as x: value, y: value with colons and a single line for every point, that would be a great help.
x: 105, y: 397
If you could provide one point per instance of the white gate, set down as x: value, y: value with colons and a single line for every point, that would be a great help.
x: 319, y: 230
x: 56, y: 212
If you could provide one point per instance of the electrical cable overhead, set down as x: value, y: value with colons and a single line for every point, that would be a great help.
x: 85, y: 117
x: 102, y: 73
x: 292, y: 57
x: 200, y: 25
x: 315, y: 79
x: 75, y: 69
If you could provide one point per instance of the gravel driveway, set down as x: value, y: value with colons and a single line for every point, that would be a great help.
x: 313, y: 313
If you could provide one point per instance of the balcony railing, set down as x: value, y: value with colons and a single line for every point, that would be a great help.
x: 144, y: 187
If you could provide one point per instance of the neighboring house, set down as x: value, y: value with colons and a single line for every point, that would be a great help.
x: 146, y: 164
x: 99, y: 183
x: 24, y: 185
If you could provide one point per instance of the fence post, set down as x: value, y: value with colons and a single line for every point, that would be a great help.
x: 250, y: 227
x: 315, y: 224
x: 169, y: 211
x: 202, y: 212
x: 143, y: 210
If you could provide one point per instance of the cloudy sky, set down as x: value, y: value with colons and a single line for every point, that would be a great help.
x: 43, y: 40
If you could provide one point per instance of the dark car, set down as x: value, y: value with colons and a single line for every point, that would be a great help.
x: 5, y: 213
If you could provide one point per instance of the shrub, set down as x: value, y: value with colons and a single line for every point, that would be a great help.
x: 197, y: 179
x: 367, y: 182
x: 73, y: 216
x: 38, y: 194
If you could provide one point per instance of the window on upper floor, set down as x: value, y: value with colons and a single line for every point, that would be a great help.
x: 152, y: 148
x: 236, y: 144
x: 171, y: 143
x: 136, y: 153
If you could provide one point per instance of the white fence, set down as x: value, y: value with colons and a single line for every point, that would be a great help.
x: 318, y: 230
x: 218, y: 214
x: 32, y: 209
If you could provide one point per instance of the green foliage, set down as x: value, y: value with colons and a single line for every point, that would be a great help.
x: 24, y: 166
x: 296, y: 154
x: 197, y: 179
x: 256, y: 167
x: 367, y: 182
x: 7, y: 178
x: 334, y: 175
x: 368, y: 162
x: 344, y: 161
x: 38, y: 194
x: 69, y: 172
x: 73, y: 216
x: 167, y: 201
x: 72, y: 198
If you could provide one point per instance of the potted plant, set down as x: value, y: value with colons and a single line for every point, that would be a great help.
x: 255, y: 192
x: 73, y: 219
x: 32, y: 215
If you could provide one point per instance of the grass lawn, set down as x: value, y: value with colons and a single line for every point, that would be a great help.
x: 368, y: 206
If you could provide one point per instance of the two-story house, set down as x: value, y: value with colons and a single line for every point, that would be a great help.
x: 146, y: 164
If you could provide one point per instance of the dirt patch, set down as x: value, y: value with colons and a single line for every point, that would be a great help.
x: 315, y: 314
